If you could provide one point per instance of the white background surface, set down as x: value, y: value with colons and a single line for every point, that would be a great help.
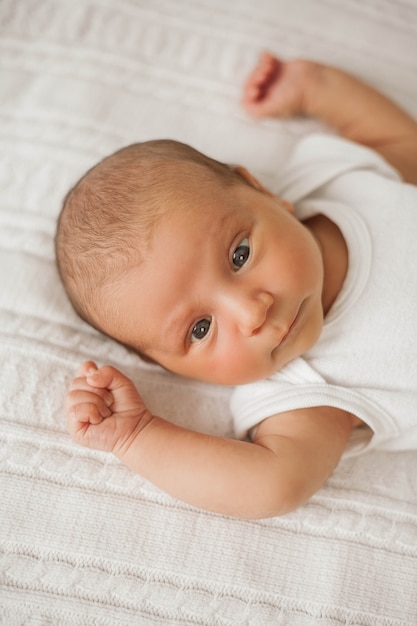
x: 82, y: 540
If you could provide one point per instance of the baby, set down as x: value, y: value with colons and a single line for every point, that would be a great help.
x: 199, y: 268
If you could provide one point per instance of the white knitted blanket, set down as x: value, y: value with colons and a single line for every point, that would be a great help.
x: 82, y: 540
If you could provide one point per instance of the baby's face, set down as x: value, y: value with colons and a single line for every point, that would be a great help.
x: 230, y: 290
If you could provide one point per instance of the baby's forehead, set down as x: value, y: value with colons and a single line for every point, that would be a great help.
x: 193, y: 194
x: 193, y: 177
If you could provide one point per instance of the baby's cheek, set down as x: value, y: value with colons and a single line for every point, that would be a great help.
x: 238, y: 365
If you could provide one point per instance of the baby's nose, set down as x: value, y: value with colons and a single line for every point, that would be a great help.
x: 253, y: 312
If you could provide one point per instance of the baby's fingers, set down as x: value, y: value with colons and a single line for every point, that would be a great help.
x: 81, y: 384
x: 265, y: 74
x: 88, y: 367
x: 108, y: 377
x: 84, y: 414
x: 85, y: 406
x: 120, y: 387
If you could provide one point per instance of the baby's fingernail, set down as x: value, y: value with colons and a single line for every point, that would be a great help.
x: 92, y: 372
x: 108, y: 399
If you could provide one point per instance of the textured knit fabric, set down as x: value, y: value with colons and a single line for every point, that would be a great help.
x: 83, y: 541
x: 365, y: 361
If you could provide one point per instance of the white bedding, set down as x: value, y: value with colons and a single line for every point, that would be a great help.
x: 82, y: 540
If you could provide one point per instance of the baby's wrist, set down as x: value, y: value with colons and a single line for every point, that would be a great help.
x: 130, y: 442
x: 313, y: 76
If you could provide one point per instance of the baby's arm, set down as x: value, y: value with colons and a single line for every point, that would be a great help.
x: 355, y: 110
x: 292, y: 456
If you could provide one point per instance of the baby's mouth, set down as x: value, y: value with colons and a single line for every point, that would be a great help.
x: 291, y: 327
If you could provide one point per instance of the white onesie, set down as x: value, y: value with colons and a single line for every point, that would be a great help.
x: 365, y: 361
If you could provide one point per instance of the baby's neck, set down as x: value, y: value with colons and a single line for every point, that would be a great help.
x: 335, y: 257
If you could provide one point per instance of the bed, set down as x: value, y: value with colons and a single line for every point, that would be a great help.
x: 82, y: 540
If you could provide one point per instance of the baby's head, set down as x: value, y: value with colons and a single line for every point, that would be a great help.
x: 191, y: 262
x: 108, y: 218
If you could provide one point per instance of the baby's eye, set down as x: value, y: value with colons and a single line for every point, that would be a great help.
x: 241, y: 254
x: 201, y: 329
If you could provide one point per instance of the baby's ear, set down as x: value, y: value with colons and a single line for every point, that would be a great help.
x: 250, y: 179
x: 254, y: 182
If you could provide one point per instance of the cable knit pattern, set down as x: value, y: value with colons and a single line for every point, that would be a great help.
x: 83, y: 540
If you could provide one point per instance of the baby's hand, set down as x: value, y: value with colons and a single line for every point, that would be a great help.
x: 104, y: 410
x: 277, y: 88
